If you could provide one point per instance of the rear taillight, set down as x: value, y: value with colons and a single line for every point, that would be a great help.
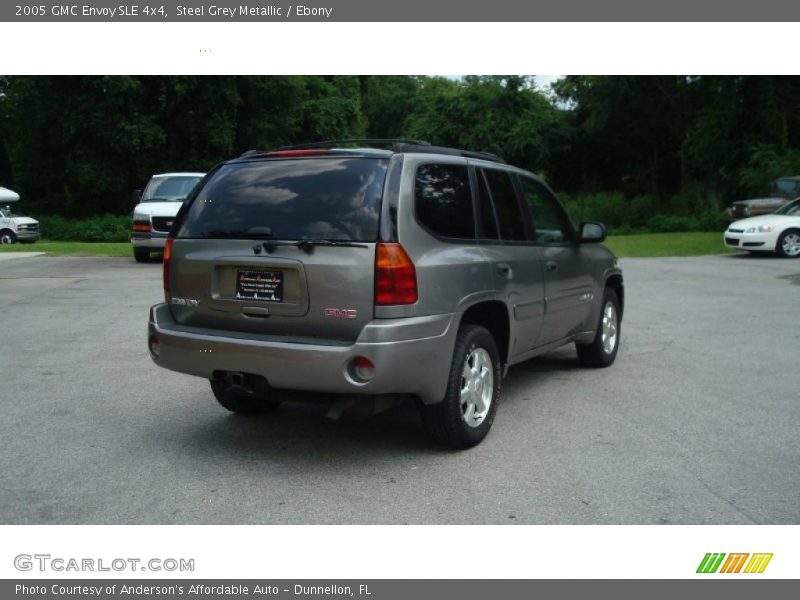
x: 395, y: 276
x: 141, y: 226
x: 167, y: 253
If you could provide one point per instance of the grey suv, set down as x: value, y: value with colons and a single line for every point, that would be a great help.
x: 405, y: 269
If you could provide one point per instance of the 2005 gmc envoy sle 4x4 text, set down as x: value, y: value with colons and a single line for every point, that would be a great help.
x: 392, y: 268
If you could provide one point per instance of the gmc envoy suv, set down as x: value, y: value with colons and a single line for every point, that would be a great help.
x: 391, y: 268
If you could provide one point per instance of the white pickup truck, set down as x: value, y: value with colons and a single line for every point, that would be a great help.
x: 156, y: 209
x: 15, y: 227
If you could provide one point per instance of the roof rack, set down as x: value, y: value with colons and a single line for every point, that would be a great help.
x: 415, y: 148
x: 396, y: 145
x: 367, y: 141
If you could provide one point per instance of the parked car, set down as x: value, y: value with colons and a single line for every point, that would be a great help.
x: 415, y: 270
x: 784, y: 190
x: 156, y: 209
x: 778, y: 232
x: 15, y: 227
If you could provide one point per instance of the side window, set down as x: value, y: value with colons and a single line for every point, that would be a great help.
x: 551, y: 224
x: 489, y: 230
x: 443, y: 201
x: 506, y: 206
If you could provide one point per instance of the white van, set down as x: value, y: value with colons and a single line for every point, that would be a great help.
x: 15, y: 227
x: 156, y: 209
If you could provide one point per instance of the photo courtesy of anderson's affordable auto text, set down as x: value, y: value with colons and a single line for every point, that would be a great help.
x: 305, y: 310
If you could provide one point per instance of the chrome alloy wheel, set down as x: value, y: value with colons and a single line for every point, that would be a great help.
x: 791, y: 244
x: 477, y: 387
x: 609, y: 328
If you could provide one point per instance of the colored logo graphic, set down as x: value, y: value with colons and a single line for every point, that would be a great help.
x: 713, y: 563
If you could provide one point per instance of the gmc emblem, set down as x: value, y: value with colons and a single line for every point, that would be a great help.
x: 341, y: 313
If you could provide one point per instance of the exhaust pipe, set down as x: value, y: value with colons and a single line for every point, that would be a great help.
x: 235, y: 380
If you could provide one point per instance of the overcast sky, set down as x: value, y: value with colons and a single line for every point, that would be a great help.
x: 543, y: 81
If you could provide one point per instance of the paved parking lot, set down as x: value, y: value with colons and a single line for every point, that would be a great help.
x: 697, y: 422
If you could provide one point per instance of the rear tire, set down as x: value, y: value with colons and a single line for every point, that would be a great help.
x: 467, y: 412
x: 602, y: 351
x: 788, y: 245
x: 242, y: 403
x: 141, y: 255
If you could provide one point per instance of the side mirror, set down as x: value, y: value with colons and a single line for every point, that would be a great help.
x: 593, y: 232
x: 136, y: 195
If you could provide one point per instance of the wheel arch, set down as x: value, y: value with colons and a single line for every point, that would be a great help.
x: 614, y: 282
x: 793, y: 229
x: 493, y: 315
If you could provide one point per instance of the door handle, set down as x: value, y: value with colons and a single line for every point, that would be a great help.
x: 255, y: 311
x: 505, y: 270
x: 551, y: 265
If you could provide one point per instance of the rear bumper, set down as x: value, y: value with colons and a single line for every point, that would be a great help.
x: 153, y: 240
x: 411, y: 356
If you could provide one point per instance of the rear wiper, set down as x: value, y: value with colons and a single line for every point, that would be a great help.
x: 307, y: 246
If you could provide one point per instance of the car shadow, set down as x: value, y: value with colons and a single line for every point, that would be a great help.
x: 750, y: 255
x: 301, y: 432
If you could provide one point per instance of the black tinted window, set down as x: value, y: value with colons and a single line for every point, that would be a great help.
x: 488, y: 218
x: 550, y: 222
x: 443, y: 202
x: 317, y: 198
x: 506, y: 205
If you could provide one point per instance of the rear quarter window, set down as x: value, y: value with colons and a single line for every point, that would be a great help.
x: 337, y: 198
x: 443, y: 200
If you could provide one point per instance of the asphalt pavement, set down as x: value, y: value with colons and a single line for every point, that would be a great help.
x: 697, y: 422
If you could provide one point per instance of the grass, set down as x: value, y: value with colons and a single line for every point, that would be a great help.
x: 667, y: 244
x: 73, y: 248
x: 639, y: 245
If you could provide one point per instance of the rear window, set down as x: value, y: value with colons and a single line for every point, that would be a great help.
x: 310, y: 198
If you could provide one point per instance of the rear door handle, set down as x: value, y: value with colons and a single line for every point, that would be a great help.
x: 551, y: 265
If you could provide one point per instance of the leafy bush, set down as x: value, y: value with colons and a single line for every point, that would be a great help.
x: 708, y: 221
x: 105, y: 228
x: 766, y: 164
x: 611, y: 208
x: 643, y: 213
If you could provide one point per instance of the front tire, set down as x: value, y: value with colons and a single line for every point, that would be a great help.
x: 602, y: 351
x: 7, y: 237
x: 467, y: 412
x: 788, y: 245
x: 240, y: 402
x: 141, y: 255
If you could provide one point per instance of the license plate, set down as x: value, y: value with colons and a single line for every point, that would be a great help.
x: 262, y: 286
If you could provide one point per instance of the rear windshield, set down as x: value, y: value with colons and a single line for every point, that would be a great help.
x: 310, y: 198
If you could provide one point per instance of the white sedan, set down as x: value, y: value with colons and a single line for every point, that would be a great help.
x: 778, y: 232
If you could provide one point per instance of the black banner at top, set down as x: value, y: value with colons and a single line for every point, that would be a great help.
x: 186, y: 11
